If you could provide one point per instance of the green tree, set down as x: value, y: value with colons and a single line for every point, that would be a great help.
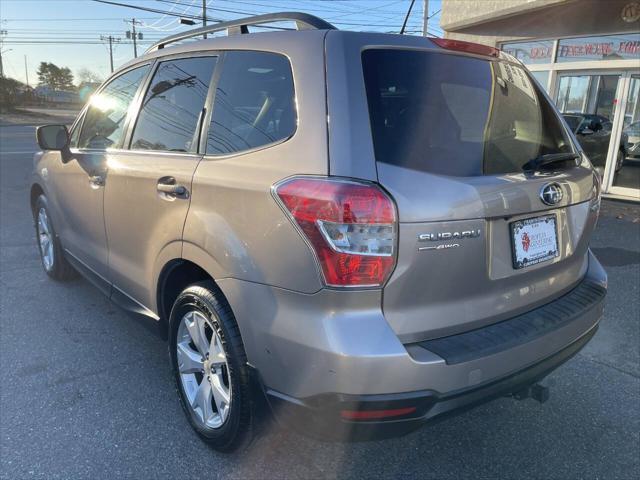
x: 12, y: 92
x: 54, y: 77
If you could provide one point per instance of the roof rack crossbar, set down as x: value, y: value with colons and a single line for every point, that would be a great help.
x: 303, y: 21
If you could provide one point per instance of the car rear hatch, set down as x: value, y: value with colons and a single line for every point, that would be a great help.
x: 480, y: 238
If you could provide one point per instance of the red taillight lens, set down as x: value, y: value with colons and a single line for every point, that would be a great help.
x: 350, y: 225
x: 375, y: 414
x: 468, y: 47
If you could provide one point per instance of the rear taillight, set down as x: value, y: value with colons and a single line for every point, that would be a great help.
x: 350, y: 225
x: 375, y: 414
x: 469, y: 47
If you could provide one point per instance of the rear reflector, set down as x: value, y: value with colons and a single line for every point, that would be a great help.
x: 350, y: 225
x: 375, y: 414
x: 468, y: 47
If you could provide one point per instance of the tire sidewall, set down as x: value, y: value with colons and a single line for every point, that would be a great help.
x: 190, y: 300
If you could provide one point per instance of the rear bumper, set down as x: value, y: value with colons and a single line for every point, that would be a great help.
x: 321, y: 416
x: 320, y: 354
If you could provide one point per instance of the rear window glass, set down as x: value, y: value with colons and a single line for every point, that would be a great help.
x: 456, y: 115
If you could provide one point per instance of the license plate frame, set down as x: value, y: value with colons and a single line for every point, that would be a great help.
x: 546, y: 246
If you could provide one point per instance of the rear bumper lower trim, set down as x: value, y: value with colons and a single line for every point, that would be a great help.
x: 320, y: 415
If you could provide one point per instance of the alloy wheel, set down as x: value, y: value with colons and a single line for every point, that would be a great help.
x: 45, y: 239
x: 203, y: 368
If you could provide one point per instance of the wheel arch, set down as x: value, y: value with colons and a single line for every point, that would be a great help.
x: 174, y: 277
x: 35, y: 192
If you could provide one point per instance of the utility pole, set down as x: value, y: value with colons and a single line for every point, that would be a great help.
x: 133, y: 35
x: 26, y: 70
x: 111, y: 41
x: 204, y: 16
x: 2, y: 34
x: 425, y: 18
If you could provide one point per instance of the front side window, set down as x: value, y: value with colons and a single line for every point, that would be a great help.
x: 104, y: 121
x: 169, y: 114
x: 75, y: 134
x: 254, y: 103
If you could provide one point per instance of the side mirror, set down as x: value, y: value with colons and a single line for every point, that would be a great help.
x: 53, y: 137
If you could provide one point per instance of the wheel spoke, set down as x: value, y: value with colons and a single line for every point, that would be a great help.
x: 220, y: 394
x: 202, y: 401
x: 195, y: 325
x: 43, y: 224
x: 43, y: 244
x: 204, y: 371
x: 189, y: 361
x: 216, y: 352
x: 44, y: 239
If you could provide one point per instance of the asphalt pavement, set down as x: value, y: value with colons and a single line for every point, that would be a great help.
x: 86, y: 390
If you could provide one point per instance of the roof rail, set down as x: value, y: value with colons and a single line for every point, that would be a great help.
x: 303, y: 21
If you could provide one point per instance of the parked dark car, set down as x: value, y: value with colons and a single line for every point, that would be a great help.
x: 594, y: 133
x: 633, y: 140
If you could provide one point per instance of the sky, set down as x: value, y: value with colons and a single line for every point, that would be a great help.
x: 67, y: 32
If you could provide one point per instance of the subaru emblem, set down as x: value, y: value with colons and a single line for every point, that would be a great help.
x: 551, y: 194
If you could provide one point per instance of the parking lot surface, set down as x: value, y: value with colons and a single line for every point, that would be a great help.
x: 86, y: 390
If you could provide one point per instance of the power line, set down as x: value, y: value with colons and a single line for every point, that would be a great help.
x: 362, y: 23
x: 153, y: 10
x: 103, y: 19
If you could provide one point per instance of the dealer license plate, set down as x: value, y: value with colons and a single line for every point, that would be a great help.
x: 534, y: 240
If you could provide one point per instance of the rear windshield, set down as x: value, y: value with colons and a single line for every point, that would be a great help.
x: 456, y: 115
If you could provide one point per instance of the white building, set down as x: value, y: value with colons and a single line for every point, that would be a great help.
x: 586, y: 53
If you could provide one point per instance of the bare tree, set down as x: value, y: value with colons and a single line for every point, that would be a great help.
x: 84, y: 75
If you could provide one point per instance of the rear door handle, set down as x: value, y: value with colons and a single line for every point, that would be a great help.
x: 168, y: 186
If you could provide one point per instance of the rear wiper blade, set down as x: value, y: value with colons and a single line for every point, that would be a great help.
x: 549, y: 158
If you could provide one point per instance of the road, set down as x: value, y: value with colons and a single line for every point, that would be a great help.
x: 86, y: 390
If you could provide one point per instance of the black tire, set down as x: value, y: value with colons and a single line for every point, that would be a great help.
x: 59, y: 269
x: 206, y: 298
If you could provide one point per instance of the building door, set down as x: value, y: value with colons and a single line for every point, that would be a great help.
x: 588, y: 104
x: 625, y: 179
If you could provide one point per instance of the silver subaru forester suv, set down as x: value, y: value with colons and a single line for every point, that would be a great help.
x: 354, y: 232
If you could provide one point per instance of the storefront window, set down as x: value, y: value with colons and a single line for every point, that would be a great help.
x: 543, y: 78
x: 627, y: 167
x: 573, y: 93
x: 531, y: 52
x: 608, y: 47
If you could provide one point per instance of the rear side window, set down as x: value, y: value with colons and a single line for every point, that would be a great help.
x: 171, y: 108
x: 254, y: 103
x: 456, y: 115
x: 103, y: 125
